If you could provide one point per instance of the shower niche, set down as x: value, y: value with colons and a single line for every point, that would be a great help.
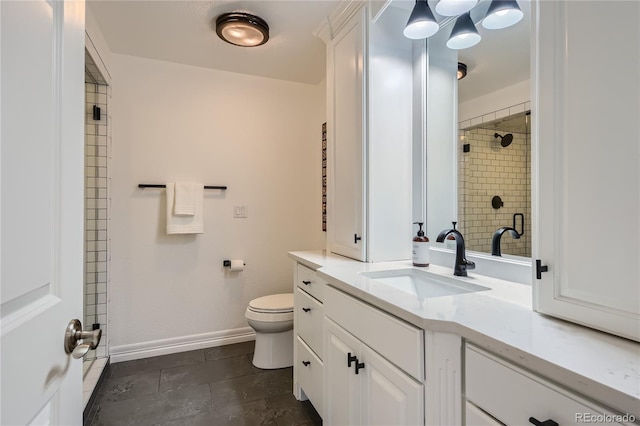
x: 494, y: 184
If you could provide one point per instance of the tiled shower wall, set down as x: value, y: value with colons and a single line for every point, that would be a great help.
x: 487, y: 170
x: 97, y: 216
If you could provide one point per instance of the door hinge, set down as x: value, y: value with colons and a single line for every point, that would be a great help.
x: 540, y: 268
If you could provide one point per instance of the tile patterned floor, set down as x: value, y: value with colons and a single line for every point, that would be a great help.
x: 207, y: 387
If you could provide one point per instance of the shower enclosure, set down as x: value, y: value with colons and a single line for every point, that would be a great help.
x: 97, y: 216
x: 494, y: 184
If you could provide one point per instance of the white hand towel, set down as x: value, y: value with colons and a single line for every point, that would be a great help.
x: 185, y: 224
x: 185, y: 198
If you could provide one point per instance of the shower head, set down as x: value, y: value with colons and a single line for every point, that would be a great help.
x: 505, y: 140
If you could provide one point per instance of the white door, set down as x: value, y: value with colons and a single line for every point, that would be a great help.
x: 342, y: 398
x: 42, y: 150
x: 588, y: 163
x: 389, y: 396
x: 346, y: 140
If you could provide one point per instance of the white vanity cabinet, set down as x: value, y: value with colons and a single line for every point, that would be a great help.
x: 587, y: 190
x: 308, y: 350
x: 498, y: 392
x: 374, y: 365
x: 369, y: 133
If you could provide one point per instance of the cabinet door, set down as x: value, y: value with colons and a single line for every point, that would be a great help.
x: 389, y: 396
x: 587, y: 166
x: 346, y: 139
x: 342, y: 396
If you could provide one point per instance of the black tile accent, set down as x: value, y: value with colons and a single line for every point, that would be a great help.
x: 209, y: 387
x: 206, y: 372
x: 156, y: 408
x: 126, y: 387
x: 252, y: 387
x: 157, y: 363
x: 229, y: 351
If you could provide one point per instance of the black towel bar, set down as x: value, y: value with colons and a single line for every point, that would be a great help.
x: 154, y: 185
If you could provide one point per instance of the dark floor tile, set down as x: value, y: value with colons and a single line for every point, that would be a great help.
x: 290, y: 412
x: 157, y: 363
x: 120, y: 388
x: 248, y: 414
x: 229, y: 351
x: 153, y: 409
x: 252, y: 387
x: 207, y: 372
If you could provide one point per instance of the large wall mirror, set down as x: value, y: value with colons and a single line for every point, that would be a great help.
x: 479, y: 137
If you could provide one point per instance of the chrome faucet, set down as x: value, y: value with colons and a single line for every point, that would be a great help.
x: 495, y: 242
x: 462, y: 264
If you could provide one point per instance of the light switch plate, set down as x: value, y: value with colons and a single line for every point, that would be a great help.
x: 240, y: 211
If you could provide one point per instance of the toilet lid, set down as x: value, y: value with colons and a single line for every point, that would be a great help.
x: 273, y: 303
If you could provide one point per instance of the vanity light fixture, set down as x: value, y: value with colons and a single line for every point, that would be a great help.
x: 464, y: 33
x: 502, y: 14
x: 242, y: 29
x: 462, y: 70
x: 454, y: 7
x: 421, y: 23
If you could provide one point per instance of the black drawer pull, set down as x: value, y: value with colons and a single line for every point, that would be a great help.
x: 537, y: 422
x: 306, y: 282
x: 306, y: 363
x: 351, y: 359
x: 360, y: 366
x: 306, y: 309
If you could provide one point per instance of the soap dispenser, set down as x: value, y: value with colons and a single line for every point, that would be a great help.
x: 420, y: 248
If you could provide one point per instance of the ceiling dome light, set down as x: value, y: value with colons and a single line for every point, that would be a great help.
x: 454, y: 7
x: 421, y: 23
x: 502, y: 14
x: 242, y: 29
x: 462, y: 70
x: 464, y: 33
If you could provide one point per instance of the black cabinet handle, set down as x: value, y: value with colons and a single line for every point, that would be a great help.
x: 306, y: 363
x: 360, y: 366
x: 537, y: 422
x: 306, y: 309
x: 540, y: 268
x: 351, y: 359
x: 356, y: 238
x: 306, y: 282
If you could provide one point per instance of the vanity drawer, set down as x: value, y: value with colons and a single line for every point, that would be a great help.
x: 513, y: 395
x: 309, y: 282
x: 308, y: 318
x: 309, y: 374
x: 396, y: 340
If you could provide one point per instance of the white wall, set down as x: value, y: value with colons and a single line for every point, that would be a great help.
x: 261, y: 138
x: 518, y: 93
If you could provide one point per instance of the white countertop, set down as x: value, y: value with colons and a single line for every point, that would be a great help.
x: 598, y: 365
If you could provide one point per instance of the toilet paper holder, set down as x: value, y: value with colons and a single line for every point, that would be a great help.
x: 227, y: 263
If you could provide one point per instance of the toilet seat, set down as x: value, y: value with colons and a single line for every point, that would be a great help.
x: 272, y: 304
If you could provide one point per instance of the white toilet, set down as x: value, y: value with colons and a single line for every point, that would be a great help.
x: 272, y: 319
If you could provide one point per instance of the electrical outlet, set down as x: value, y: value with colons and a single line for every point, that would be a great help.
x: 240, y: 211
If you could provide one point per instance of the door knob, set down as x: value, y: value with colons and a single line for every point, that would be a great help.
x: 74, y: 334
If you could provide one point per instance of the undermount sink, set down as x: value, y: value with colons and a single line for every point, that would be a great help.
x: 422, y: 283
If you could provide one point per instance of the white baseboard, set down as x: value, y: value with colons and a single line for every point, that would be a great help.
x: 180, y: 344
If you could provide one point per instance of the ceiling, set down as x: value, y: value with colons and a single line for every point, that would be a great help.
x: 183, y: 31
